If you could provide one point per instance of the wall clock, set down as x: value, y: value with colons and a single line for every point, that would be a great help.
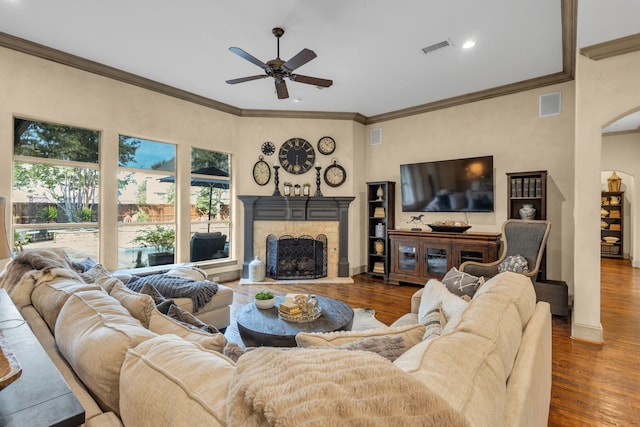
x: 268, y: 148
x: 326, y: 145
x: 261, y: 172
x: 296, y: 156
x: 335, y: 175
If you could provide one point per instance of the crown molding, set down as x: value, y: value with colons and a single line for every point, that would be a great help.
x: 611, y: 48
x: 568, y: 16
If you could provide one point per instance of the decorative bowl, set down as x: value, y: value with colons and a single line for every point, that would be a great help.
x: 264, y: 304
x: 449, y: 228
x: 610, y: 239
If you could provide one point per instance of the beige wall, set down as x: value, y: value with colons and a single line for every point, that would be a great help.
x: 605, y: 91
x: 508, y: 128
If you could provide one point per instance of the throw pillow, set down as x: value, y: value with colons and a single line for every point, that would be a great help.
x: 434, y: 320
x: 90, y: 275
x: 189, y: 320
x: 515, y: 263
x: 84, y: 265
x: 162, y: 324
x: 139, y: 305
x: 461, y: 284
x: 434, y: 294
x: 389, y: 347
x: 149, y: 289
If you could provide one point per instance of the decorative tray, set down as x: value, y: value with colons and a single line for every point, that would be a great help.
x: 449, y: 228
x: 10, y: 369
x: 305, y: 318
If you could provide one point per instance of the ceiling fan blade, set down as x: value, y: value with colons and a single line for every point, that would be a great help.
x: 311, y: 80
x: 241, y: 53
x: 304, y: 56
x: 281, y: 89
x: 246, y: 79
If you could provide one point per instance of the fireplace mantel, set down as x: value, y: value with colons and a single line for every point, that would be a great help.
x: 282, y: 208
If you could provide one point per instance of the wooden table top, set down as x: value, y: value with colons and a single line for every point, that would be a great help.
x: 259, y: 327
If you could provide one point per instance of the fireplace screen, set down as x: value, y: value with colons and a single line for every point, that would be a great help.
x: 301, y: 257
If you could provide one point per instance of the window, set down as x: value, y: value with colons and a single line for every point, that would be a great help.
x: 210, y: 205
x: 146, y: 203
x: 55, y: 188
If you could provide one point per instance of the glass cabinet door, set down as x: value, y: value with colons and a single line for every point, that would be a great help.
x: 437, y: 261
x: 407, y: 258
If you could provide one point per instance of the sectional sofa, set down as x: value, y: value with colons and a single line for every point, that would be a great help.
x: 130, y: 365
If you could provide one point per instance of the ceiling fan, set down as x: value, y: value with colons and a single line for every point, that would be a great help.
x: 279, y: 69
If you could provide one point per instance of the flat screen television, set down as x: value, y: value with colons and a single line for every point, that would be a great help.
x: 461, y: 185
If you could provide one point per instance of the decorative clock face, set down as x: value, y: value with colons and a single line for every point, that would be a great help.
x: 261, y: 172
x: 335, y: 175
x: 268, y: 148
x: 326, y: 145
x: 296, y: 156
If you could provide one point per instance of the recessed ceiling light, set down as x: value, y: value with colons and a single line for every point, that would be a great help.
x: 297, y: 100
x: 468, y: 44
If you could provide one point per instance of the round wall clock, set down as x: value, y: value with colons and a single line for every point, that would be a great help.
x: 335, y: 175
x: 326, y: 145
x: 296, y: 156
x: 261, y: 172
x: 268, y: 148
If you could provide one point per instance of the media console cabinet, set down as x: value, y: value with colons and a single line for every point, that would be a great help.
x: 417, y: 256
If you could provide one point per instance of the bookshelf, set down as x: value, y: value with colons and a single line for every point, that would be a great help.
x: 380, y: 219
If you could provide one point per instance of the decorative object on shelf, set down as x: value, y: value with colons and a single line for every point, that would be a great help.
x: 318, y: 192
x: 614, y: 227
x: 335, y: 175
x: 286, y: 188
x: 527, y: 211
x: 603, y: 224
x: 378, y: 212
x: 268, y: 148
x: 261, y: 172
x: 614, y: 214
x: 449, y: 226
x: 604, y: 212
x: 326, y: 145
x: 296, y: 190
x: 605, y: 201
x: 379, y: 193
x: 611, y: 239
x: 10, y: 369
x: 379, y: 229
x: 614, y: 182
x: 417, y: 219
x: 276, y: 180
x: 257, y: 270
x: 379, y: 247
x: 265, y: 300
x: 297, y: 156
x: 306, y: 189
x: 378, y: 267
x: 301, y: 318
x: 614, y: 200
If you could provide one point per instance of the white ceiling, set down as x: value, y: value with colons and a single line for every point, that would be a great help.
x: 371, y: 49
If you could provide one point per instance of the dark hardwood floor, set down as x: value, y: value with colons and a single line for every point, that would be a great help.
x: 593, y: 385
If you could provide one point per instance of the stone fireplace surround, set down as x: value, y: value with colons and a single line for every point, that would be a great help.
x: 281, y: 208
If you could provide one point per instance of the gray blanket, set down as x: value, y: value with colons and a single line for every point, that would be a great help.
x: 200, y: 291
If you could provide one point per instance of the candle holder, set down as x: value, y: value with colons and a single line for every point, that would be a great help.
x: 318, y: 192
x: 276, y: 180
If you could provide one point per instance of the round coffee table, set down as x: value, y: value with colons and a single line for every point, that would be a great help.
x: 264, y: 328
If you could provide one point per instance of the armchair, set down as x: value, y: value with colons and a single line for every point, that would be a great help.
x: 521, y: 237
x: 205, y: 246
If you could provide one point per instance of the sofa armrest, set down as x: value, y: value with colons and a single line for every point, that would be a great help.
x: 415, y: 300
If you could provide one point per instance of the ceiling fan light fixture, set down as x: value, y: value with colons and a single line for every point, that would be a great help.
x: 468, y: 44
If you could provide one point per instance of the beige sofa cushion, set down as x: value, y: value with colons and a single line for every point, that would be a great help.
x: 140, y: 306
x: 94, y: 332
x: 515, y: 286
x: 167, y: 381
x: 412, y: 334
x: 469, y: 366
x: 161, y: 324
x: 49, y: 297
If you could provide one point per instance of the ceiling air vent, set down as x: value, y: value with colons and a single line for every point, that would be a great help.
x: 436, y: 46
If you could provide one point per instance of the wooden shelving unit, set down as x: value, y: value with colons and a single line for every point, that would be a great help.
x: 612, y: 224
x: 380, y: 219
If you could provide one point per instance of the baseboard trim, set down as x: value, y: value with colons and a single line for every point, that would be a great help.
x: 635, y: 263
x: 592, y: 334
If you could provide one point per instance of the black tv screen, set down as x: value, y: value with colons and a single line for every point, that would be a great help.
x: 462, y: 185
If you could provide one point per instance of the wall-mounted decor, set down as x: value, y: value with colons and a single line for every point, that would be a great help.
x: 268, y: 148
x: 326, y: 145
x: 261, y: 172
x: 335, y: 175
x: 297, y: 156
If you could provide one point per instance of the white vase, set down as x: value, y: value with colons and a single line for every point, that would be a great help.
x: 256, y: 270
x: 527, y: 212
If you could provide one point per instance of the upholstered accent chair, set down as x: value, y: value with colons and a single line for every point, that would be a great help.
x: 526, y: 238
x: 206, y: 246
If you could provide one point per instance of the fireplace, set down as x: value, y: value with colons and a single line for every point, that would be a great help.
x: 274, y: 210
x: 301, y: 257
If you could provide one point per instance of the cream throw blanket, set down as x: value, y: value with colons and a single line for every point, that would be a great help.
x: 309, y: 387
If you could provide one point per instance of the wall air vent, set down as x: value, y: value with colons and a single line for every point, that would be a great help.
x: 437, y: 46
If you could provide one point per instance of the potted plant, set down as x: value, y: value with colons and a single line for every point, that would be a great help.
x: 161, y: 239
x: 265, y: 299
x: 49, y: 214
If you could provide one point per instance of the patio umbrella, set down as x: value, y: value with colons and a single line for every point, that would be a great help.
x: 211, y: 183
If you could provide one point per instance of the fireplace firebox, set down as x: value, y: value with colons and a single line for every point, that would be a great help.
x: 301, y: 257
